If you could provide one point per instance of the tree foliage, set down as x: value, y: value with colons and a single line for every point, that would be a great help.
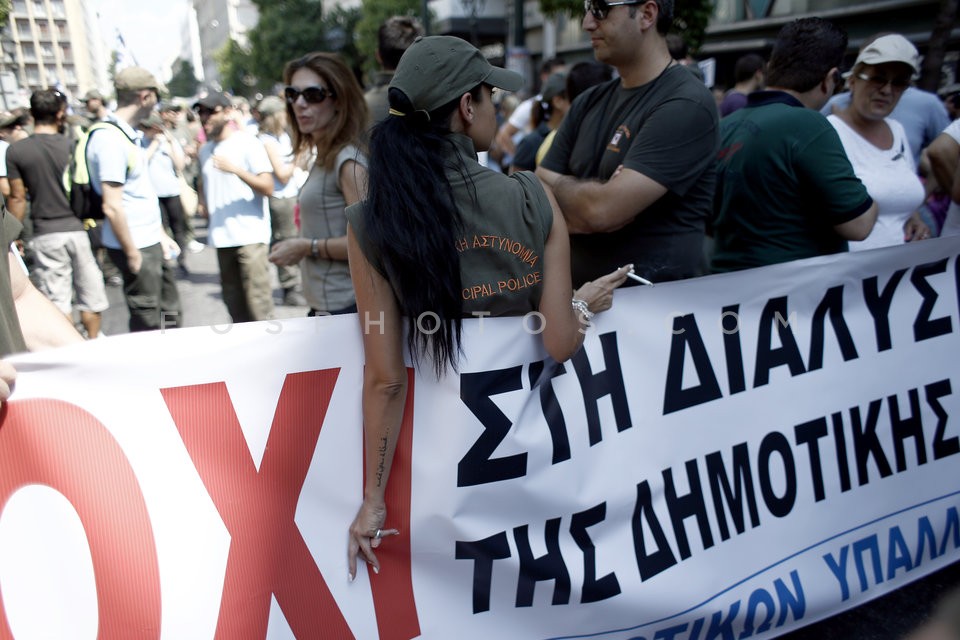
x: 690, y: 17
x: 235, y: 64
x: 5, y: 7
x: 285, y: 30
x: 374, y: 13
x: 183, y: 81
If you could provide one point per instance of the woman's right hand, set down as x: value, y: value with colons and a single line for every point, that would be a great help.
x: 598, y: 294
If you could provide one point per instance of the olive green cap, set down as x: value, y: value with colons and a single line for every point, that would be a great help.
x: 435, y: 70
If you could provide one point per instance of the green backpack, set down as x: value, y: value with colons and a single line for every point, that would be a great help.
x: 85, y: 202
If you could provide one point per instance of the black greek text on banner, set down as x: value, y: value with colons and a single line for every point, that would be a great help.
x: 734, y: 456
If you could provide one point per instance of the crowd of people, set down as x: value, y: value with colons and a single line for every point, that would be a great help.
x: 617, y: 172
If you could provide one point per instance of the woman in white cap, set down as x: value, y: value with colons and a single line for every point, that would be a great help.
x: 877, y: 145
x: 440, y: 238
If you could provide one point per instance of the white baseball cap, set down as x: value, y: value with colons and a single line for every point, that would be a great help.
x: 890, y: 48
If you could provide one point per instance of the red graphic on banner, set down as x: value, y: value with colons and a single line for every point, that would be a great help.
x: 61, y: 446
x: 393, y: 587
x: 268, y: 554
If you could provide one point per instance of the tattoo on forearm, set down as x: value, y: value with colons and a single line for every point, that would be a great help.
x: 382, y: 459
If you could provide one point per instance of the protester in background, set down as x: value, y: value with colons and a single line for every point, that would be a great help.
x: 520, y: 123
x: 680, y: 51
x: 180, y: 124
x: 94, y: 103
x: 944, y: 157
x: 96, y: 111
x: 11, y: 130
x: 241, y: 112
x: 877, y: 145
x: 547, y: 116
x: 394, y: 36
x: 283, y: 202
x: 747, y: 77
x: 133, y: 228
x: 326, y: 102
x: 785, y: 188
x: 633, y: 164
x: 408, y: 259
x: 235, y: 181
x: 581, y: 77
x: 64, y: 267
x: 952, y: 102
x: 921, y: 113
x: 166, y: 160
x: 496, y: 158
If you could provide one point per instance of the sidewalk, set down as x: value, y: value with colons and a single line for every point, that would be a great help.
x: 200, y: 293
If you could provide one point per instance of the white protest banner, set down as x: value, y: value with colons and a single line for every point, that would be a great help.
x: 729, y: 457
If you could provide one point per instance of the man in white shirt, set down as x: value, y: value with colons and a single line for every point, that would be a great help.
x: 236, y: 179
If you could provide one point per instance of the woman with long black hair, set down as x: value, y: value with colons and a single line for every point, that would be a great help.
x: 440, y: 238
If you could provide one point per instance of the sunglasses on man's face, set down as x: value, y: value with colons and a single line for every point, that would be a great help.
x: 599, y: 9
x: 312, y: 95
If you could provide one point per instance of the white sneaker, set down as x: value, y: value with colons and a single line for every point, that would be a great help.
x: 195, y: 247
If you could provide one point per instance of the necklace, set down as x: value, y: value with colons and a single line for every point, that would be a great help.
x: 669, y: 64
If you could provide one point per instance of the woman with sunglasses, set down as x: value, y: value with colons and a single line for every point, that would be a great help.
x: 877, y: 145
x: 326, y: 104
x: 437, y: 240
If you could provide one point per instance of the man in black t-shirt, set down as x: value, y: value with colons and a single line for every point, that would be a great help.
x: 632, y: 165
x: 64, y: 266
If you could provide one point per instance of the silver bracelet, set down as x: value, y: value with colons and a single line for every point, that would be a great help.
x: 581, y: 306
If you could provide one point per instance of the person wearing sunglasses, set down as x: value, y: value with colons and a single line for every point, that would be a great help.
x: 921, y: 113
x: 785, y: 188
x: 877, y: 145
x: 632, y: 164
x: 325, y: 101
x: 430, y: 244
x: 236, y: 181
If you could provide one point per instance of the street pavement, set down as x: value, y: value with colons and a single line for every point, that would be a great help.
x: 200, y: 293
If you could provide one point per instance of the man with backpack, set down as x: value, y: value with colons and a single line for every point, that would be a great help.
x: 64, y: 265
x: 133, y: 231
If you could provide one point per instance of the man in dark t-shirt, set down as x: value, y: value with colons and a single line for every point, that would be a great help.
x: 632, y: 165
x: 65, y: 268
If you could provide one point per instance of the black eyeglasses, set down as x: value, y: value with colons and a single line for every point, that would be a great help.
x: 206, y: 112
x: 312, y: 95
x: 599, y: 9
x: 879, y: 82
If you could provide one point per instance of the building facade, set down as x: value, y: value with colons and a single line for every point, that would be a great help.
x: 745, y: 26
x: 49, y: 43
x: 219, y: 22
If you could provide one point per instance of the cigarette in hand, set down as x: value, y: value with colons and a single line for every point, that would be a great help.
x: 633, y: 276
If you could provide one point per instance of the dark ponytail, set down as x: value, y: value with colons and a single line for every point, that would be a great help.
x: 412, y: 222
